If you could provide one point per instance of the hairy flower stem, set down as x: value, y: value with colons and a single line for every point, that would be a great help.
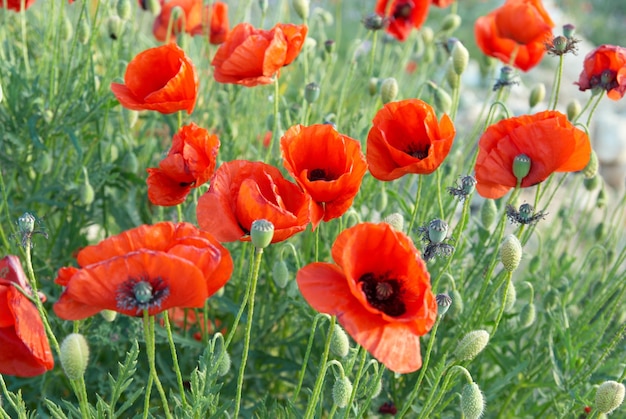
x: 148, y: 329
x: 458, y: 230
x: 306, y: 355
x: 24, y: 42
x: 370, y: 69
x: 509, y: 275
x: 276, y: 121
x: 179, y: 377
x: 317, y: 389
x: 420, y: 181
x: 244, y: 303
x: 554, y: 96
x: 355, y: 384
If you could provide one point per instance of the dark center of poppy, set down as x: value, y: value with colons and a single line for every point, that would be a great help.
x: 185, y: 184
x: 320, y: 174
x: 607, y: 80
x: 383, y: 293
x: 403, y: 11
x: 418, y: 151
x: 140, y: 294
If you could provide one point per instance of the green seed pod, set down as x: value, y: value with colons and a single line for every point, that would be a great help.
x: 261, y: 233
x: 601, y: 199
x: 124, y: 9
x: 443, y: 303
x: 460, y: 57
x: 521, y: 166
x: 74, y: 355
x: 609, y: 396
x: 83, y: 32
x: 537, y: 95
x: 592, y: 183
x: 342, y: 389
x: 600, y: 231
x: 551, y: 299
x: 86, y: 193
x: 591, y: 170
x: 302, y: 8
x: 108, y: 315
x: 437, y: 230
x: 388, y: 90
x: 573, y: 109
x: 312, y: 92
x: 450, y: 23
x: 528, y: 315
x: 66, y: 30
x: 488, y: 213
x: 339, y: 342
x: 395, y: 220
x: 472, y: 401
x: 224, y: 364
x: 457, y: 304
x: 280, y: 274
x: 442, y: 100
x: 510, y: 252
x: 471, y: 345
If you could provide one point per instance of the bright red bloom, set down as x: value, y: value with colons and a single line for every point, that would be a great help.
x: 407, y: 138
x: 551, y: 142
x: 329, y: 166
x: 24, y: 347
x: 151, y: 267
x: 161, y: 79
x: 16, y: 4
x: 197, y: 18
x: 442, y: 3
x: 379, y: 289
x: 251, y: 56
x: 242, y: 192
x: 189, y: 164
x: 519, y: 28
x: 403, y: 15
x: 605, y: 68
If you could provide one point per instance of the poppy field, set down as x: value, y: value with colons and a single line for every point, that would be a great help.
x: 317, y: 209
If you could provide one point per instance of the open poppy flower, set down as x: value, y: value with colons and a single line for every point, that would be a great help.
x: 379, y: 289
x: 519, y: 28
x: 151, y: 267
x: 442, y: 3
x: 403, y: 15
x: 547, y: 138
x: 189, y: 164
x: 196, y: 18
x: 407, y: 138
x: 242, y: 192
x: 252, y: 56
x: 161, y: 79
x: 24, y: 347
x: 329, y: 166
x: 16, y: 4
x: 605, y: 68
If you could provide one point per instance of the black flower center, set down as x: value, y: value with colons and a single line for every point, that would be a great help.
x: 140, y: 294
x: 320, y: 174
x: 403, y: 11
x: 383, y: 293
x: 607, y: 80
x: 417, y: 151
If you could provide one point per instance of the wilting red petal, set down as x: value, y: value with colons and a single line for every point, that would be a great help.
x: 403, y: 15
x: 605, y: 68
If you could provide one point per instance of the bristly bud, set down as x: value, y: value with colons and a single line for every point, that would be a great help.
x: 609, y: 396
x: 302, y: 8
x: 339, y: 342
x: 437, y: 230
x: 329, y: 46
x: 114, y: 26
x: 443, y: 303
x: 124, y: 9
x: 601, y: 199
x: 389, y: 90
x: 66, y: 30
x: 537, y: 95
x: 74, y: 356
x: 472, y: 401
x: 428, y: 35
x: 450, y: 23
x: 471, y: 345
x: 551, y: 299
x: 261, y: 233
x: 342, y: 389
x: 441, y: 98
x: 372, y: 85
x: 457, y: 304
x: 592, y: 183
x: 224, y: 364
x: 395, y: 220
x: 573, y: 109
x: 592, y: 167
x: 488, y: 212
x: 374, y: 22
x: 312, y: 92
x: 154, y: 6
x: 521, y: 167
x: 83, y: 32
x: 86, y: 193
x: 280, y: 274
x: 510, y: 252
x: 528, y: 315
x: 568, y: 30
x: 460, y: 57
x: 108, y: 315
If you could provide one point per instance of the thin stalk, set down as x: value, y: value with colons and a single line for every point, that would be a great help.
x: 307, y: 353
x: 317, y: 389
x: 276, y: 126
x: 148, y: 329
x: 557, y: 85
x: 420, y: 181
x: 24, y: 40
x: 509, y: 275
x: 179, y: 376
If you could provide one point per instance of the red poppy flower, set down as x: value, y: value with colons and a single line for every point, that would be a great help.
x: 196, y: 18
x: 189, y: 164
x: 24, y: 347
x: 151, y: 267
x: 519, y: 28
x: 551, y: 142
x: 242, y: 192
x: 442, y: 3
x: 251, y: 56
x: 161, y: 79
x: 407, y: 138
x: 379, y: 289
x: 403, y: 15
x: 16, y: 4
x: 329, y: 166
x: 605, y: 68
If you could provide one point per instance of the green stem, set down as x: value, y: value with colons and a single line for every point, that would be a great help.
x: 276, y: 125
x: 504, y: 294
x: 557, y: 84
x: 24, y: 40
x: 244, y: 303
x: 420, y: 181
x: 148, y: 328
x: 179, y: 376
x: 593, y: 109
x: 355, y: 384
x: 146, y: 402
x: 370, y: 70
x: 439, y: 200
x: 317, y: 389
x: 306, y: 356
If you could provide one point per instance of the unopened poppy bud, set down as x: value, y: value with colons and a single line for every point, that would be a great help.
x: 551, y: 299
x: 592, y: 183
x: 302, y: 8
x: 521, y: 166
x: 460, y: 57
x: 396, y: 221
x: 224, y: 364
x: 26, y: 223
x: 443, y: 303
x: 488, y: 212
x: 599, y: 231
x: 261, y: 233
x: 108, y: 315
x: 472, y: 401
x: 86, y: 193
x: 453, y: 79
x: 83, y: 32
x: 373, y: 85
x: 528, y: 315
x: 154, y: 6
x: 537, y: 95
x: 342, y: 389
x: 66, y: 30
x: 510, y: 297
x: 573, y: 109
x: 374, y: 22
x: 568, y: 30
x: 280, y: 274
x: 388, y: 90
x: 457, y: 304
x: 74, y: 356
x: 450, y: 23
x: 510, y: 252
x: 339, y: 342
x: 441, y: 99
x: 428, y: 35
x: 381, y: 200
x: 124, y: 9
x: 43, y: 164
x: 609, y: 396
x: 263, y: 6
x: 471, y: 345
x: 601, y: 199
x: 329, y: 46
x: 114, y: 26
x: 129, y: 163
x: 592, y: 167
x: 312, y: 92
x: 437, y: 230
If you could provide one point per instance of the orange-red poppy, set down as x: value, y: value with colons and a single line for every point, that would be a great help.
x: 242, y: 192
x: 518, y: 31
x: 151, y: 267
x: 189, y: 164
x: 161, y: 79
x: 16, y: 4
x: 196, y: 18
x: 407, y: 138
x: 403, y: 15
x: 605, y: 68
x: 329, y: 166
x: 379, y: 289
x: 252, y: 56
x: 24, y: 347
x: 551, y: 142
x: 442, y: 3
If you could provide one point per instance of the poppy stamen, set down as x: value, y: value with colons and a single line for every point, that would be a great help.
x: 418, y: 152
x: 141, y: 294
x: 403, y: 11
x: 383, y: 294
x: 320, y: 174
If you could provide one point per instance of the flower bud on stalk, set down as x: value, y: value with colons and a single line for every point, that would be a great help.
x: 460, y: 57
x: 457, y: 304
x: 573, y: 109
x: 450, y: 23
x: 395, y: 220
x: 342, y: 389
x: 488, y: 213
x: 510, y: 252
x: 537, y: 95
x: 471, y: 345
x: 154, y: 6
x: 592, y: 167
x: 302, y: 8
x: 472, y: 401
x: 339, y: 342
x: 609, y: 396
x: 114, y: 26
x: 280, y: 274
x: 388, y: 90
x: 124, y: 9
x: 592, y: 183
x: 74, y: 356
x: 528, y: 315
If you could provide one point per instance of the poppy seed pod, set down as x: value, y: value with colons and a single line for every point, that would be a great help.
x: 395, y: 220
x: 312, y: 92
x: 592, y: 167
x: 388, y: 90
x: 609, y: 396
x: 342, y: 389
x: 261, y: 233
x: 443, y: 303
x: 26, y: 223
x: 280, y: 274
x: 339, y: 342
x: 537, y: 95
x: 437, y: 230
x: 302, y: 8
x: 74, y: 355
x: 460, y: 57
x: 511, y: 252
x: 521, y: 167
x: 124, y: 9
x: 472, y: 401
x: 471, y: 345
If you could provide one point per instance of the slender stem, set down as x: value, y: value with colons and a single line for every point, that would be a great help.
x: 317, y: 389
x: 370, y: 69
x: 233, y: 329
x: 276, y: 121
x: 439, y: 200
x: 420, y: 181
x: 307, y: 353
x: 593, y: 109
x: 355, y: 385
x: 146, y: 402
x: 179, y: 376
x: 148, y: 329
x: 24, y: 40
x: 557, y: 84
x: 503, y: 305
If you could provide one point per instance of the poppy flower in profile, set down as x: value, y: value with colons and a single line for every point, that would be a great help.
x: 380, y: 291
x: 24, y: 347
x: 519, y: 28
x: 547, y: 138
x: 161, y: 79
x: 151, y: 267
x: 403, y: 15
x: 251, y: 56
x: 189, y: 164
x: 329, y: 167
x: 16, y: 5
x: 242, y: 192
x: 407, y: 138
x: 196, y: 18
x: 605, y: 68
